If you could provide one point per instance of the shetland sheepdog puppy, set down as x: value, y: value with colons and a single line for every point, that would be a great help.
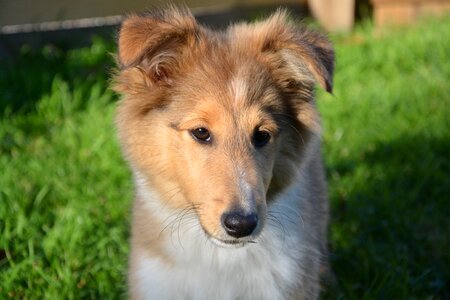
x: 222, y: 135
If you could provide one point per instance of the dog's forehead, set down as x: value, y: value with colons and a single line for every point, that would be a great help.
x: 222, y: 76
x: 243, y: 89
x: 234, y: 78
x: 239, y: 89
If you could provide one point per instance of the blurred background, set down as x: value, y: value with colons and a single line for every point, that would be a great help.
x: 65, y: 192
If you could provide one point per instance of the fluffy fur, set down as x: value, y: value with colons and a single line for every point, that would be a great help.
x: 177, y: 76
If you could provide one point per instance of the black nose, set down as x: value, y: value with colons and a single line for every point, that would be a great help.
x: 239, y: 225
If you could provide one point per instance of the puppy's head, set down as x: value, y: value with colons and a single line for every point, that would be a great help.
x: 218, y: 122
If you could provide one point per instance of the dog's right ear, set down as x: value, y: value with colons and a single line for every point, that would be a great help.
x: 153, y: 42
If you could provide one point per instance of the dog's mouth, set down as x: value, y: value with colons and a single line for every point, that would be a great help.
x: 235, y: 243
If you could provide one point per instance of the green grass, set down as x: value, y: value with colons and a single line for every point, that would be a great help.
x: 65, y: 191
x: 387, y: 148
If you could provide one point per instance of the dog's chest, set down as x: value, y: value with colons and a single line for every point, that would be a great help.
x: 204, y: 271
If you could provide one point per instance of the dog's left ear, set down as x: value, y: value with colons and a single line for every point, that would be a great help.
x: 317, y: 52
x: 302, y: 51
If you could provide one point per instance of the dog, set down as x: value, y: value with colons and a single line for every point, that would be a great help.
x: 222, y: 135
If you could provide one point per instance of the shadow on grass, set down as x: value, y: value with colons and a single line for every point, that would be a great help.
x: 391, y: 232
x: 26, y: 79
x: 42, y: 88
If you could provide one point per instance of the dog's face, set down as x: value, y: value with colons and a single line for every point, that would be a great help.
x: 217, y: 121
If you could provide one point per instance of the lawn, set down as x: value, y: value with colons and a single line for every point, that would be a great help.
x: 65, y: 191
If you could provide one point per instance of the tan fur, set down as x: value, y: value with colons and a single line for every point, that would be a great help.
x: 176, y: 76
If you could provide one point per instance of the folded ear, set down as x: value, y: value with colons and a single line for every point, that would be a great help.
x: 302, y: 51
x: 317, y: 53
x: 153, y: 41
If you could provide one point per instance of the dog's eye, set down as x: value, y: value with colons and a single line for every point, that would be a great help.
x: 260, y: 138
x: 201, y: 134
